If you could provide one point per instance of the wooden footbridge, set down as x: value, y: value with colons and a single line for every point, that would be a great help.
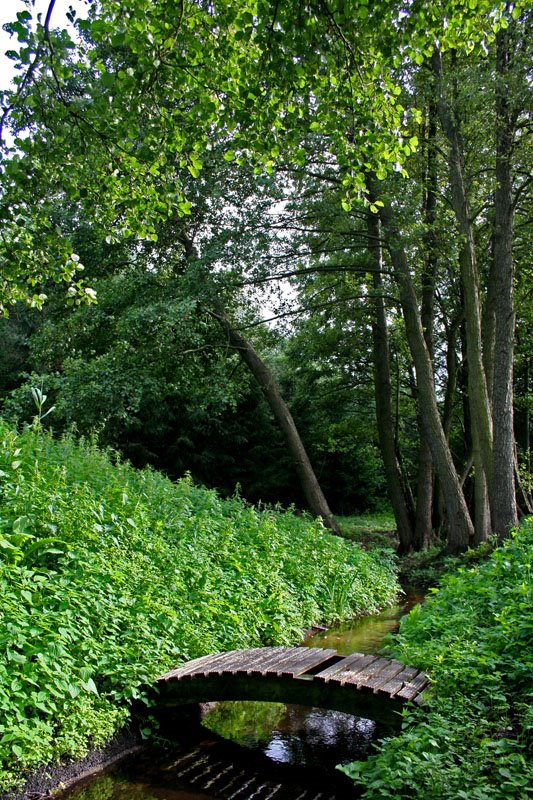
x: 357, y: 683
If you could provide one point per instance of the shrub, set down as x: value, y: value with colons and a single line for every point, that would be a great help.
x: 473, y: 637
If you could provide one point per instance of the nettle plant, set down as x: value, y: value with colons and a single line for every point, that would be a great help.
x: 473, y: 637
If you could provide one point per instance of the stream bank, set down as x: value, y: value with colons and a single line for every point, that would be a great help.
x: 256, y: 750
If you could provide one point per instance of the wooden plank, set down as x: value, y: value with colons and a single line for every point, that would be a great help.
x: 351, y: 674
x: 221, y: 662
x: 262, y: 665
x: 361, y: 677
x: 273, y: 665
x: 386, y: 674
x: 243, y: 660
x: 393, y: 686
x: 349, y: 662
x: 306, y: 661
x: 414, y: 687
x: 191, y: 666
x: 251, y: 658
x: 224, y: 665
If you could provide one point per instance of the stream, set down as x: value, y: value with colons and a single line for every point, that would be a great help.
x: 257, y: 751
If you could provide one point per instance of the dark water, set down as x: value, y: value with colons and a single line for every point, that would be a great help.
x: 257, y: 751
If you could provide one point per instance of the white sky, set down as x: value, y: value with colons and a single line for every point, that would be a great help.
x: 8, y: 13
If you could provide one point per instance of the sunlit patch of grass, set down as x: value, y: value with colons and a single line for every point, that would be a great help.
x: 371, y: 530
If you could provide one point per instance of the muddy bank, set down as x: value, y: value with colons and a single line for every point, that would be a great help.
x: 54, y: 778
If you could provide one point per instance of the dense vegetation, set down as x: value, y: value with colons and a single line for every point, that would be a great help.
x: 360, y: 169
x: 109, y: 576
x: 474, y: 738
x: 173, y: 173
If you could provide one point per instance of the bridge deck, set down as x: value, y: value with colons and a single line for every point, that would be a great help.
x: 381, y: 676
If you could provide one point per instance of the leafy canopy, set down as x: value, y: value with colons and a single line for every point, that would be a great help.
x: 116, y: 118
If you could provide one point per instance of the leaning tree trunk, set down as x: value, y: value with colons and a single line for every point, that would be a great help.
x: 310, y: 485
x: 504, y: 512
x: 460, y: 528
x: 399, y: 497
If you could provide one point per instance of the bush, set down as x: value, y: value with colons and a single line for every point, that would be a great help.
x: 473, y: 637
x: 110, y: 576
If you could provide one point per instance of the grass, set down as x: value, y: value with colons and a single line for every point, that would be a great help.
x: 371, y: 530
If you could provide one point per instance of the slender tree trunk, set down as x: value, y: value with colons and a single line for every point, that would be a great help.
x: 425, y: 489
x: 477, y: 384
x: 448, y: 408
x: 489, y: 326
x: 504, y: 512
x: 310, y: 485
x: 401, y: 505
x: 482, y: 519
x: 460, y: 528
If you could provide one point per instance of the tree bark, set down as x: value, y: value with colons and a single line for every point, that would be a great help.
x: 399, y: 498
x: 477, y: 384
x: 310, y: 485
x: 460, y: 529
x: 504, y: 511
x: 425, y: 487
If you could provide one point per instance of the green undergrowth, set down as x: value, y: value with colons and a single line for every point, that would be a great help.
x: 473, y: 738
x: 110, y: 576
x: 373, y: 531
x: 424, y: 569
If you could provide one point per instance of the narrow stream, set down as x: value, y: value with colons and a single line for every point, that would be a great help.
x: 257, y: 751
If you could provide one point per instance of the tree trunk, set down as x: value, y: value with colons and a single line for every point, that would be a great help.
x: 399, y: 498
x: 504, y: 512
x: 460, y: 528
x: 425, y: 489
x: 311, y: 488
x: 477, y: 384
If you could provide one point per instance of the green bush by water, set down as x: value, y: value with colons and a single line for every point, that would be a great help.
x: 110, y: 576
x: 474, y: 638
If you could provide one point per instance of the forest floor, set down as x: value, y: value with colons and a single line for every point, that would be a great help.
x: 372, y: 531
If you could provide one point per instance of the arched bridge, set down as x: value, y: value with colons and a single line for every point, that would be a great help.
x: 366, y: 685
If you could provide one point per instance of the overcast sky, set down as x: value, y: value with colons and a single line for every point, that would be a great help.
x: 8, y: 13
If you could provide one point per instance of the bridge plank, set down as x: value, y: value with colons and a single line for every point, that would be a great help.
x: 412, y: 689
x: 393, y: 686
x: 385, y: 675
x: 350, y: 662
x: 229, y: 665
x: 250, y: 658
x: 361, y: 678
x: 304, y: 662
x: 263, y: 665
x: 350, y: 674
x: 193, y: 666
x: 259, y: 656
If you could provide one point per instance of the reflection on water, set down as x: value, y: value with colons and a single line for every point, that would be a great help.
x: 211, y: 769
x: 292, y: 734
x: 365, y: 635
x: 316, y: 737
